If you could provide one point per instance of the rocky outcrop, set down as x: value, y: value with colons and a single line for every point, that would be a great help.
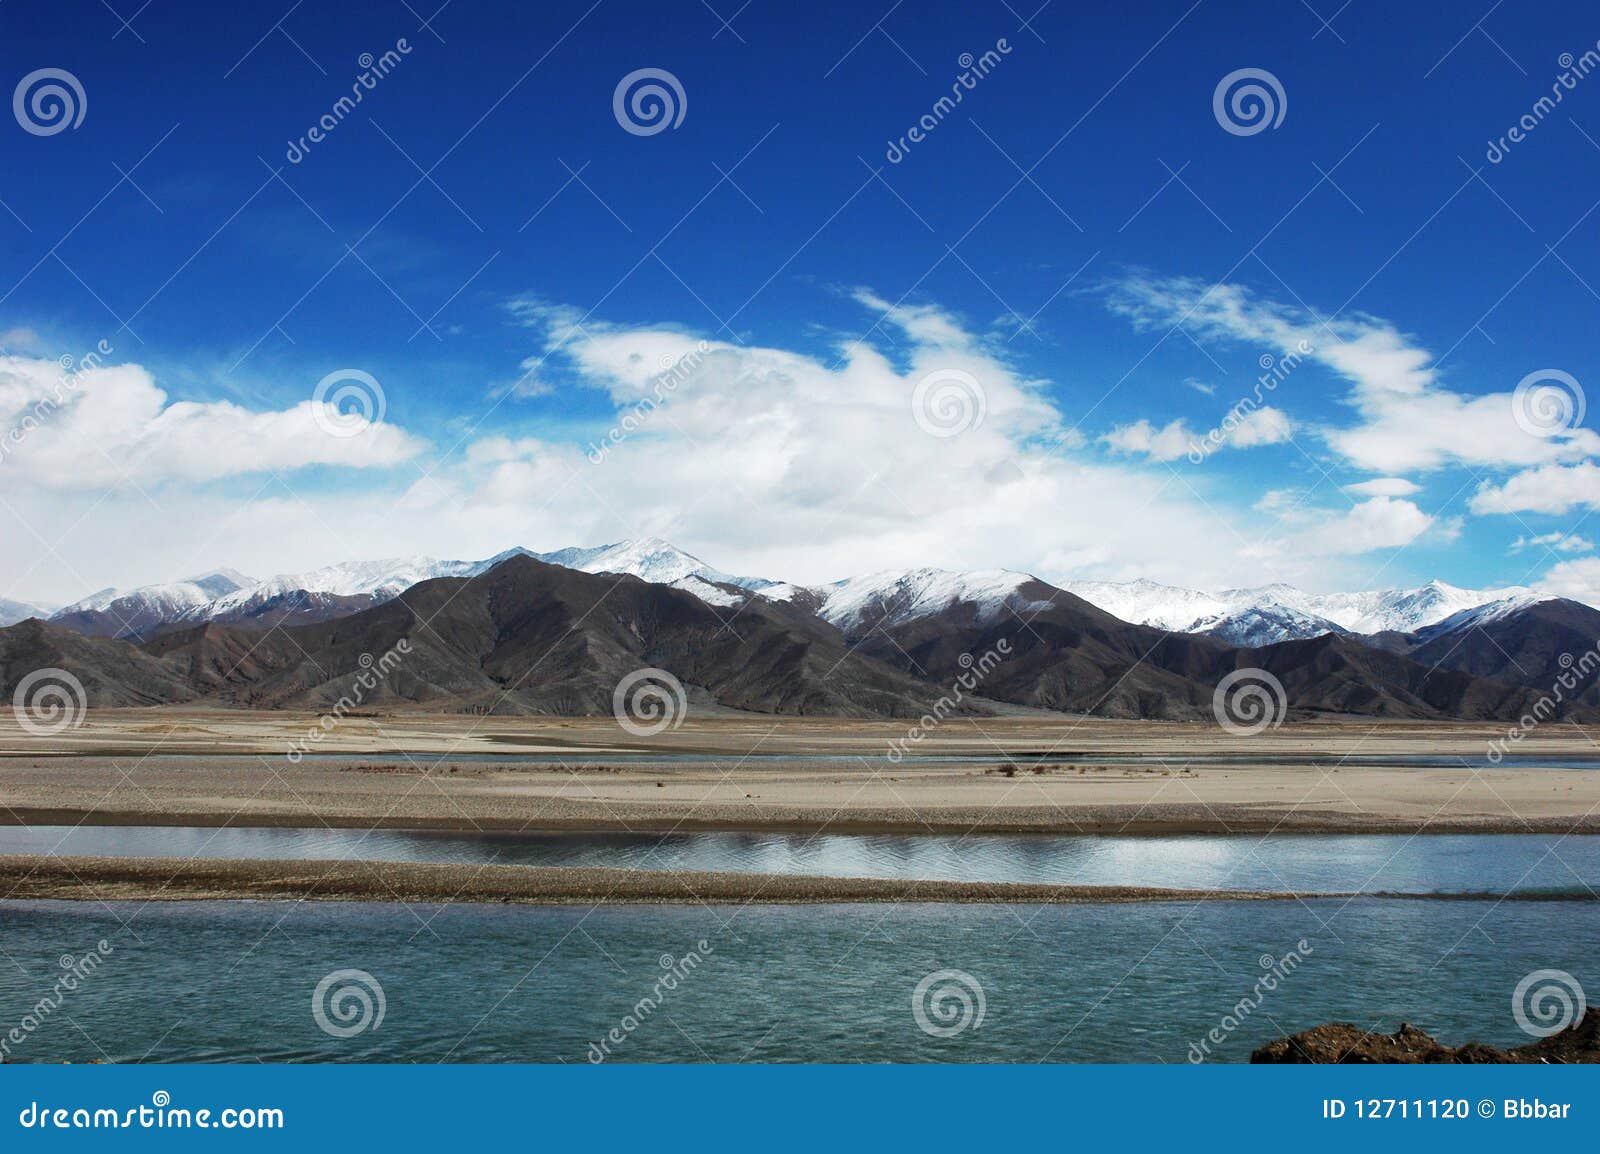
x: 1342, y: 1042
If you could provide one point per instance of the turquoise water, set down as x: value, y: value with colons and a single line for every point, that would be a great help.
x: 234, y: 981
x: 1442, y: 863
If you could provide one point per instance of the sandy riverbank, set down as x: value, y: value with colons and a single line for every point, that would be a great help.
x: 187, y: 879
x: 161, y: 768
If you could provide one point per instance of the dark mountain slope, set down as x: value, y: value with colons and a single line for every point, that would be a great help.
x: 1071, y: 656
x: 1531, y: 646
x: 113, y: 673
x: 536, y: 638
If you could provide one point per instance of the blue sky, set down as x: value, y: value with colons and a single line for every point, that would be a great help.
x: 1081, y: 238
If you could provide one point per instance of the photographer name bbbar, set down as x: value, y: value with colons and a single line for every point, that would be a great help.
x: 1444, y: 1108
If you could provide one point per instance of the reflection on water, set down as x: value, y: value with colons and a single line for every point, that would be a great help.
x: 233, y: 981
x: 1442, y: 863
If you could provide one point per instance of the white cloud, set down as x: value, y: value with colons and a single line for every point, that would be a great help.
x: 1408, y: 420
x: 1263, y: 426
x: 1550, y: 489
x: 1579, y: 580
x: 1556, y: 542
x: 1380, y: 523
x: 1167, y: 443
x: 763, y: 460
x: 105, y: 426
x: 1384, y: 487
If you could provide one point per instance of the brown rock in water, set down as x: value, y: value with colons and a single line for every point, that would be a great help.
x: 1342, y: 1042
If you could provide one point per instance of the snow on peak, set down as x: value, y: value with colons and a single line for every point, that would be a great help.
x: 381, y: 580
x: 654, y: 560
x: 897, y: 595
x: 1281, y: 612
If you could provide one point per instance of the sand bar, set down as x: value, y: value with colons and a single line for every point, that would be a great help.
x: 103, y: 879
x: 160, y: 767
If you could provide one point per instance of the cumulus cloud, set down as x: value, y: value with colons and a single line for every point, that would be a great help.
x: 1380, y: 523
x: 105, y: 425
x: 1263, y: 426
x: 1384, y: 487
x: 1579, y: 580
x: 1556, y: 542
x: 1167, y: 443
x: 1408, y: 420
x: 1550, y: 489
x: 808, y: 466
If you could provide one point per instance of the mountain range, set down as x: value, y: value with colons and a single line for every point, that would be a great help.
x: 553, y: 633
x: 1243, y: 617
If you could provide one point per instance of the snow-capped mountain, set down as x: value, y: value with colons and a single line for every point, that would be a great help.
x: 899, y: 595
x: 1274, y: 613
x: 1244, y: 617
x: 659, y: 562
x: 1406, y: 610
x: 118, y: 612
x: 1266, y: 624
x: 13, y: 611
x: 1151, y: 603
x: 333, y: 590
x: 380, y: 580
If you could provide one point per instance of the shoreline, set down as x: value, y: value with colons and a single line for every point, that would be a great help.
x: 1175, y: 821
x: 788, y: 775
x: 106, y: 879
